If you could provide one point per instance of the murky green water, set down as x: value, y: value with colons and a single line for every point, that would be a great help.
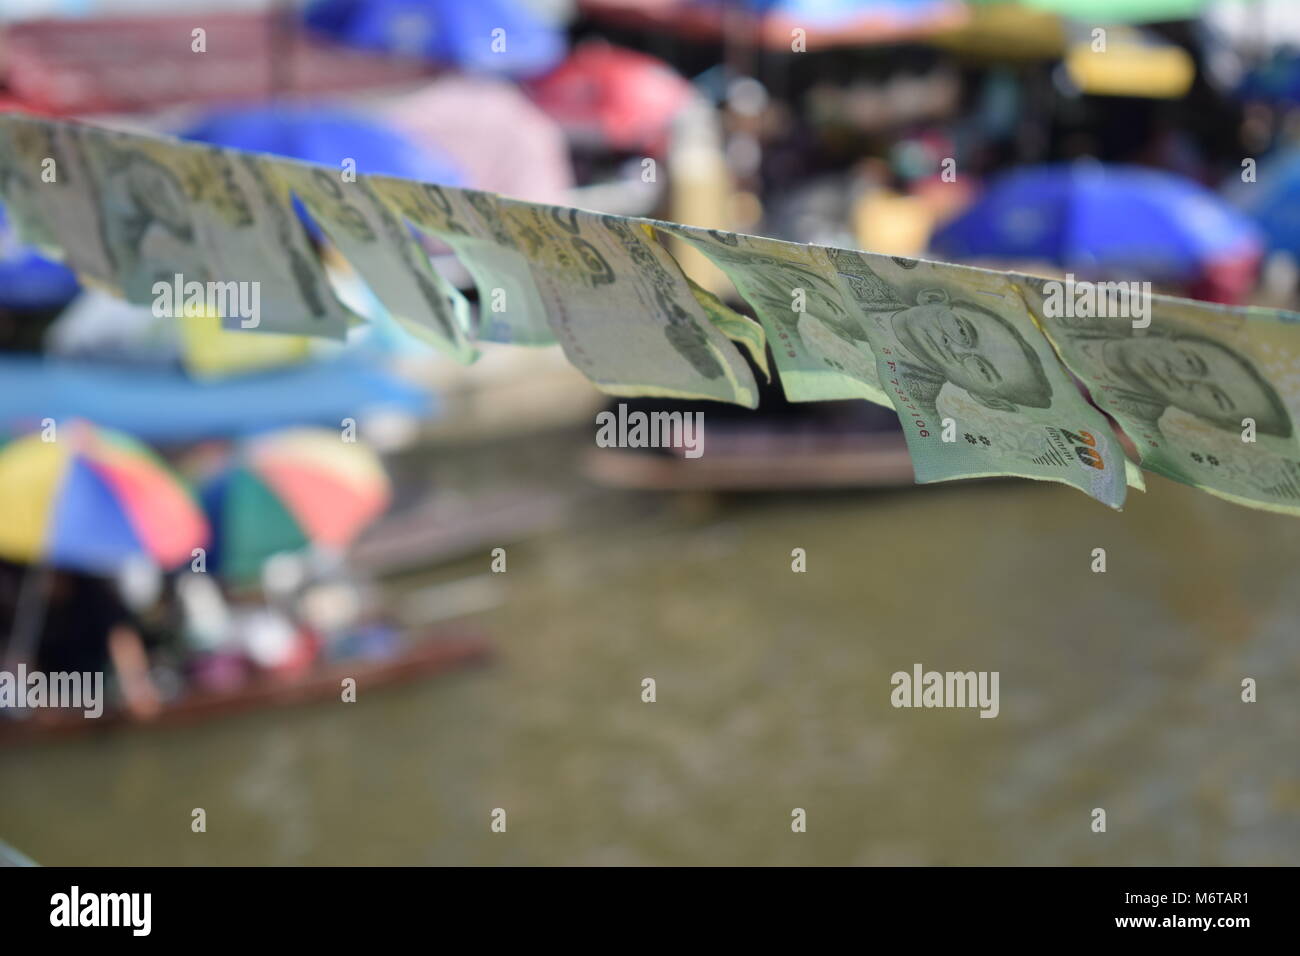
x: 1118, y: 690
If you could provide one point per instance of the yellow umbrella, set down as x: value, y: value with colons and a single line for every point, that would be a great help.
x: 1006, y: 31
x: 1126, y: 62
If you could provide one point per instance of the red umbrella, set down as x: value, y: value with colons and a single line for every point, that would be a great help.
x: 620, y: 98
x: 497, y: 137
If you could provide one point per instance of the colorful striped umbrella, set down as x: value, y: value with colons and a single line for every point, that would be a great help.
x: 91, y: 499
x: 289, y: 490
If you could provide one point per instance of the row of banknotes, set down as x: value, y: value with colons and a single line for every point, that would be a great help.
x: 987, y: 377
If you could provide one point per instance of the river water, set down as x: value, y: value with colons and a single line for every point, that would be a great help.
x: 1118, y: 690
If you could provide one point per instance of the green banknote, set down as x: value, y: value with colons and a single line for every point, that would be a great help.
x: 297, y: 296
x: 821, y: 351
x: 622, y: 310
x: 376, y: 242
x: 173, y: 213
x: 511, y: 310
x: 741, y: 329
x: 148, y: 216
x: 975, y: 383
x: 1209, y: 394
x: 47, y: 188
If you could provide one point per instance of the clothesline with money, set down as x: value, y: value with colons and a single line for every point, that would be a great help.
x: 980, y: 368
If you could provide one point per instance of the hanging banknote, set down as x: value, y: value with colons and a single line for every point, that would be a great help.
x: 207, y: 219
x: 821, y: 352
x: 376, y: 242
x: 149, y: 222
x: 47, y: 188
x: 976, y: 385
x: 1210, y: 395
x: 741, y: 329
x: 622, y: 310
x: 469, y: 222
x: 299, y: 297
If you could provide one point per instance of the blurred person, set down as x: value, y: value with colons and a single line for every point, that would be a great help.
x: 87, y: 627
x: 141, y: 651
x: 269, y: 630
x: 216, y: 660
x: 333, y: 604
x: 273, y: 640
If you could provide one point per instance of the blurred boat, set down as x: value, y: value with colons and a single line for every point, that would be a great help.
x: 761, y: 463
x: 442, y: 528
x: 430, y: 651
x: 789, y: 448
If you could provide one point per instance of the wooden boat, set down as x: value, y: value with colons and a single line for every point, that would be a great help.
x: 430, y: 532
x: 760, y: 461
x: 437, y: 531
x: 843, y: 445
x: 783, y: 446
x: 434, y: 652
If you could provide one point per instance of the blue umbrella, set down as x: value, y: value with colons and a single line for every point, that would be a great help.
x: 28, y: 280
x: 1273, y: 200
x: 495, y: 36
x: 1096, y: 219
x: 1276, y: 80
x: 324, y: 134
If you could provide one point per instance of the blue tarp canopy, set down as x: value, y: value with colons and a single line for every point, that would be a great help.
x: 164, y: 405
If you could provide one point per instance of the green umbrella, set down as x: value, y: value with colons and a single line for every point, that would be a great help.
x: 1116, y: 11
x: 286, y: 491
